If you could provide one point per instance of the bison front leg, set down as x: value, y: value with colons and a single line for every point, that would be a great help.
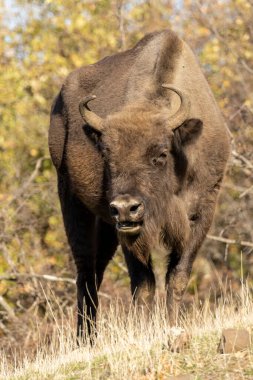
x: 107, y: 241
x: 80, y: 230
x: 177, y: 278
x: 182, y: 258
x: 142, y: 279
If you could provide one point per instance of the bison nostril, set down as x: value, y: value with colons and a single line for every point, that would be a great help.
x: 135, y: 207
x: 126, y: 208
x: 114, y: 211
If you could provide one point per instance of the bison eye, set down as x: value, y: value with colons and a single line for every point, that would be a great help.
x: 160, y: 160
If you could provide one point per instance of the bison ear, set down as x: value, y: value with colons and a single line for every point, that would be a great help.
x: 187, y: 132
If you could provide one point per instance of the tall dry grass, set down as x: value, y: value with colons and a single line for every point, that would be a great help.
x: 131, y: 345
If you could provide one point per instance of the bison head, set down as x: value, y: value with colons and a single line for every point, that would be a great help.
x: 143, y: 150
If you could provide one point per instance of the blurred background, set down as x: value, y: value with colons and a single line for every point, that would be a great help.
x: 40, y: 43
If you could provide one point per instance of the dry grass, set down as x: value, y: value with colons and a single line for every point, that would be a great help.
x: 131, y: 346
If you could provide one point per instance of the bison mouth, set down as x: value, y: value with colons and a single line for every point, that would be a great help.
x: 131, y: 228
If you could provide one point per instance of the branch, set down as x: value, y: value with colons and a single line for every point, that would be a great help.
x: 7, y: 257
x: 120, y: 265
x: 237, y: 112
x: 246, y: 66
x: 230, y: 241
x: 248, y: 164
x: 47, y: 277
x: 120, y: 16
x: 247, y: 191
x: 17, y: 276
x: 28, y: 181
x: 7, y: 308
x: 6, y: 331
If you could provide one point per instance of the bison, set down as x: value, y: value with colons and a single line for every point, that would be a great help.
x: 140, y: 149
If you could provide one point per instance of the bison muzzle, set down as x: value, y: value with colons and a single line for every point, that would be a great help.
x: 128, y: 212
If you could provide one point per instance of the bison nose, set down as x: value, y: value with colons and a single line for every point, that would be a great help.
x: 126, y: 208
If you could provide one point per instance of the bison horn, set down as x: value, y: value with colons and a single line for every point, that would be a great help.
x: 88, y: 116
x: 183, y: 112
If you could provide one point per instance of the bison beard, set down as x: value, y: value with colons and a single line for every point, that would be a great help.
x: 141, y: 245
x: 159, y: 229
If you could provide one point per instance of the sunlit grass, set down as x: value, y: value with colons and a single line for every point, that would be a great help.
x: 131, y: 345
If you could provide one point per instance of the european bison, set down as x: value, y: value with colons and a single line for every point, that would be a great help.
x: 140, y: 149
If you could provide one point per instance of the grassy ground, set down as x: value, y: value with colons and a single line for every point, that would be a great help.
x: 131, y: 346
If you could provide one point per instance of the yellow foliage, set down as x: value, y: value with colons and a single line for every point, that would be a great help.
x: 249, y: 103
x: 53, y: 221
x: 248, y: 54
x: 52, y: 241
x: 226, y: 83
x: 76, y: 59
x: 239, y: 21
x: 34, y: 152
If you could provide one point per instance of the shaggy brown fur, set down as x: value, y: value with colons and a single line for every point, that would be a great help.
x: 139, y: 134
x: 174, y: 172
